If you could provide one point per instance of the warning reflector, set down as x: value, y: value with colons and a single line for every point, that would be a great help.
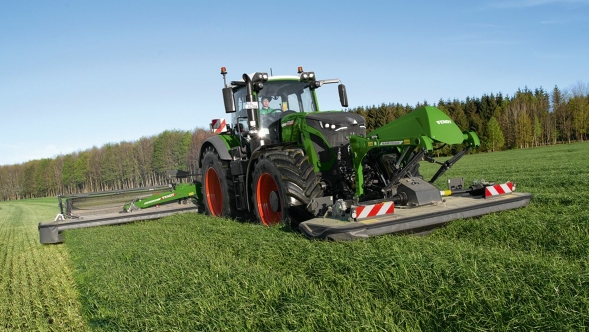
x: 218, y: 126
x: 373, y: 210
x: 499, y: 189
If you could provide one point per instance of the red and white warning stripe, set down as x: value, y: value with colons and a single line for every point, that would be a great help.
x: 367, y: 211
x: 218, y: 126
x: 499, y: 189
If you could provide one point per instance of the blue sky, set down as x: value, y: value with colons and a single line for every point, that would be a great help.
x: 78, y: 74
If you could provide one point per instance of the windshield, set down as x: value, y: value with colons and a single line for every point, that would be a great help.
x: 288, y: 95
x: 274, y: 99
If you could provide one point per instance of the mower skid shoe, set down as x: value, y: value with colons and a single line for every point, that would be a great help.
x: 412, y: 220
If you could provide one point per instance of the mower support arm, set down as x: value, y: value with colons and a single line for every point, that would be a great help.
x: 448, y: 163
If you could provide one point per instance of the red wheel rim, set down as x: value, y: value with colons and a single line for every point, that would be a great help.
x: 214, y: 192
x: 266, y: 185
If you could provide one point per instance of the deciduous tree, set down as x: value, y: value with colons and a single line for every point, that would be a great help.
x: 495, y: 139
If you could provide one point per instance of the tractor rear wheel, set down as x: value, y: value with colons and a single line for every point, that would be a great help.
x: 283, y: 184
x: 217, y: 188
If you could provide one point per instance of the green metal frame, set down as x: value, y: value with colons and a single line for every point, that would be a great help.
x: 295, y: 129
x: 420, y: 129
x: 179, y: 192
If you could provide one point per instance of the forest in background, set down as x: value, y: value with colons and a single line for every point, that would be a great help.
x: 526, y: 119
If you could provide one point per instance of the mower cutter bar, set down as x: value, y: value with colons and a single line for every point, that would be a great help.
x: 51, y: 232
x: 412, y: 220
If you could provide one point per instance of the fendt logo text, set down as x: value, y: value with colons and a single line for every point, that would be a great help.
x: 443, y: 121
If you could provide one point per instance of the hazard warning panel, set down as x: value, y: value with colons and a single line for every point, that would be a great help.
x: 373, y: 210
x: 218, y: 126
x: 499, y: 189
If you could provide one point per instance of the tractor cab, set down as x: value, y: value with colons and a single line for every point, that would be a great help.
x: 281, y: 95
x: 260, y: 100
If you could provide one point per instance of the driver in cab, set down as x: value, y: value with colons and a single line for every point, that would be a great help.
x: 266, y: 109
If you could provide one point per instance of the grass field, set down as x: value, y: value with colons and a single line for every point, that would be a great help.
x: 37, y: 289
x: 521, y: 269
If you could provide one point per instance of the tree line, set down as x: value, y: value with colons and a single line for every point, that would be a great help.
x: 526, y: 119
x: 113, y: 166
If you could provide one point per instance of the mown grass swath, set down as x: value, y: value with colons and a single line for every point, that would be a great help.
x: 37, y: 291
x: 521, y: 269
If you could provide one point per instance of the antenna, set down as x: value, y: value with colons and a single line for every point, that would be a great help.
x: 270, y: 71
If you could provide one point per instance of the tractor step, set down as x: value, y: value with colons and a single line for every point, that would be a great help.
x: 412, y: 220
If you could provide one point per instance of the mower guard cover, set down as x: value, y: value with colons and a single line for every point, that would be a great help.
x: 52, y: 232
x: 412, y: 220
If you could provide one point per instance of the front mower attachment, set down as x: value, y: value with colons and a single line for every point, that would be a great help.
x: 413, y: 219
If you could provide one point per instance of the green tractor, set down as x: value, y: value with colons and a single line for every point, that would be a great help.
x: 283, y: 160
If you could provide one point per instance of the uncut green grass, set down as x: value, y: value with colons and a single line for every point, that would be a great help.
x: 521, y: 269
x: 37, y: 290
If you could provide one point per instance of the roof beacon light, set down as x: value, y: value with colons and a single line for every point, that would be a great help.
x: 224, y: 73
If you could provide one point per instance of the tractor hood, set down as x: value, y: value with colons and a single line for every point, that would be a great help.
x: 336, y: 120
x: 336, y: 127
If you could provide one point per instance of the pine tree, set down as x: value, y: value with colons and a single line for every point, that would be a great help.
x: 562, y: 114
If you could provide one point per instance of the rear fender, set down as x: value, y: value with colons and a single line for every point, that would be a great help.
x: 221, y: 143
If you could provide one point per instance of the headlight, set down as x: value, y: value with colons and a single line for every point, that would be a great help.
x: 263, y: 132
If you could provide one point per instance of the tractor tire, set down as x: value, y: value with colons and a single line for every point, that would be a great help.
x: 217, y: 188
x: 283, y: 184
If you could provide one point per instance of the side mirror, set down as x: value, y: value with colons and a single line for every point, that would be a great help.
x: 343, y: 96
x: 228, y: 100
